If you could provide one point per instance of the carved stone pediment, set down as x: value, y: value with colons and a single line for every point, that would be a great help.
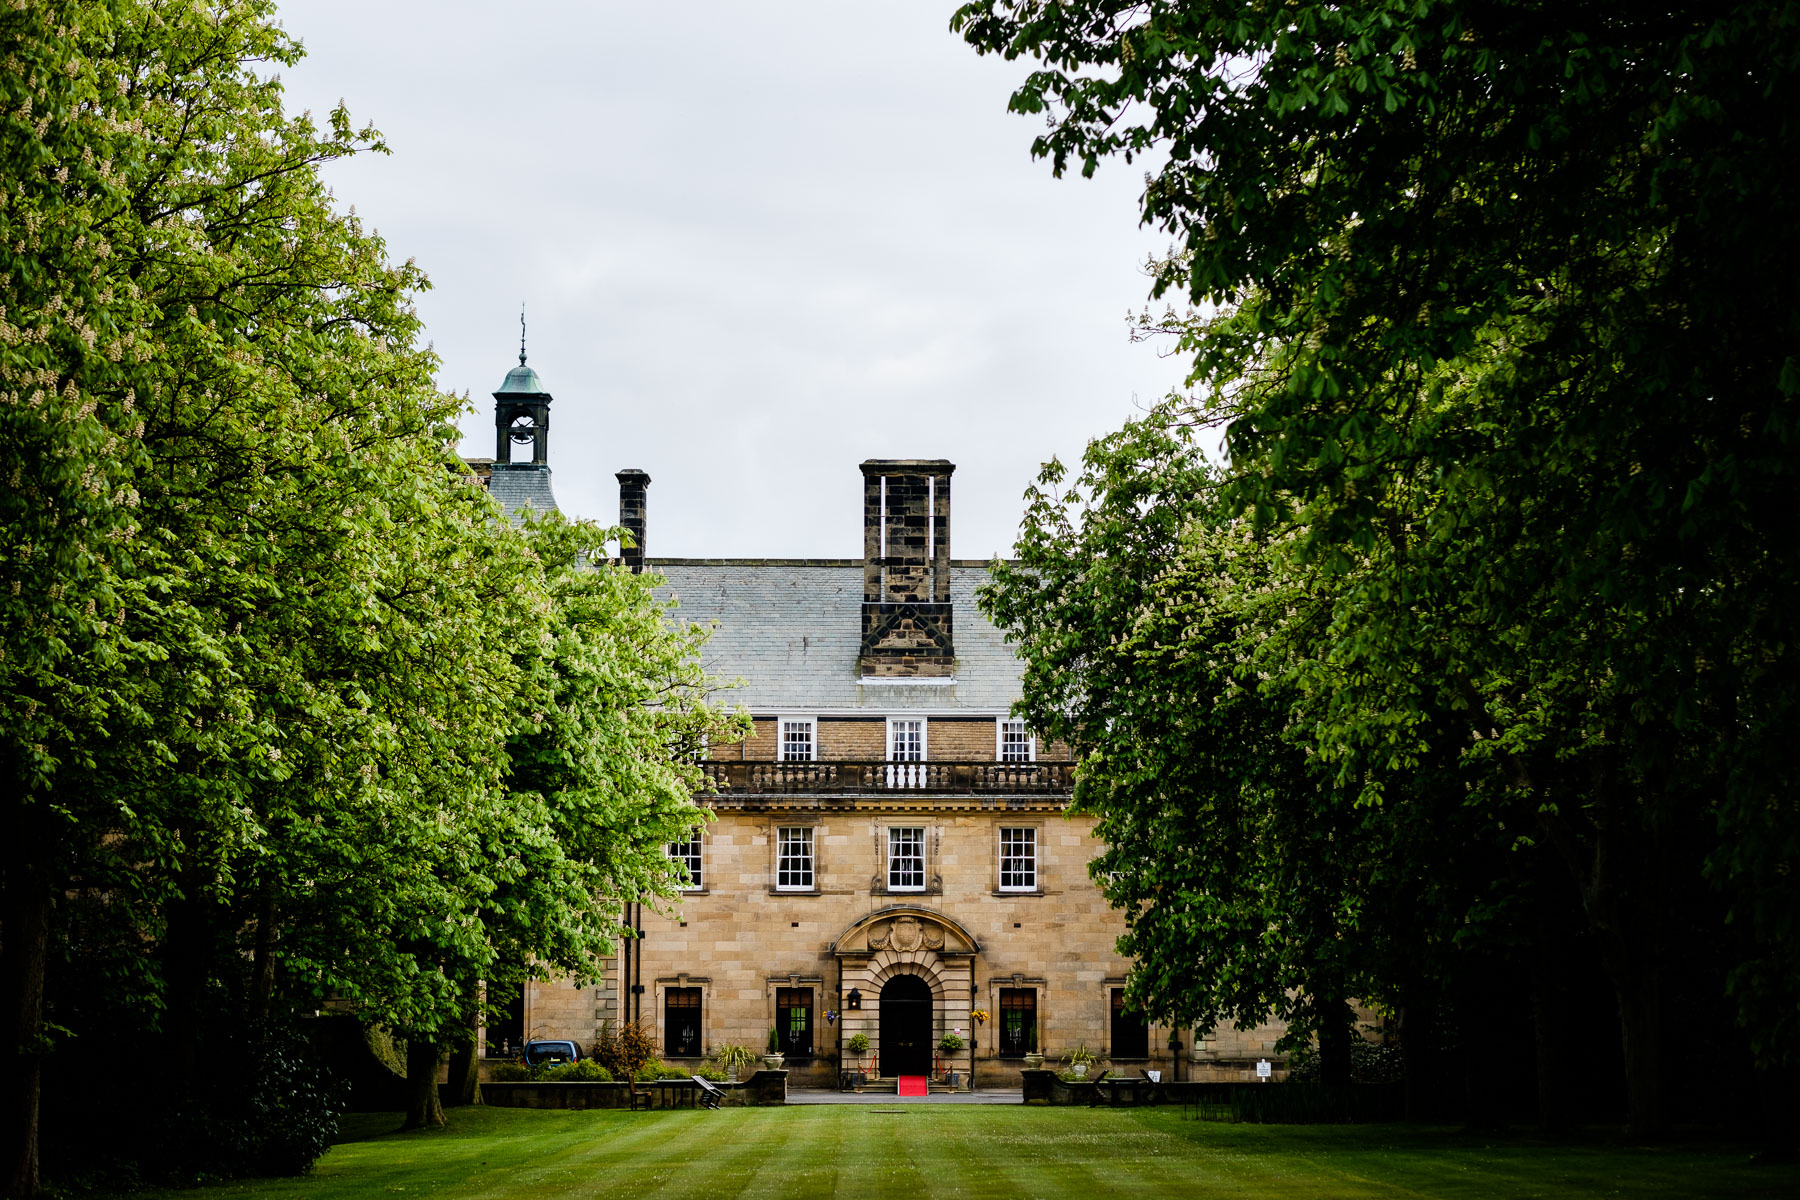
x: 905, y: 930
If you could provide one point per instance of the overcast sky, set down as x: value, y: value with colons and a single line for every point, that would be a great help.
x: 757, y: 244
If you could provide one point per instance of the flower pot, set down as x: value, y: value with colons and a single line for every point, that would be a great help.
x: 1079, y: 1070
x: 1034, y: 1062
x: 772, y: 1061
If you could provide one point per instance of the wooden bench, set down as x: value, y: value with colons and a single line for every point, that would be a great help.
x: 710, y: 1096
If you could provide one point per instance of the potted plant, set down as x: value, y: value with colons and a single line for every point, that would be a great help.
x: 950, y: 1043
x: 858, y: 1044
x: 772, y: 1060
x: 733, y: 1059
x: 1079, y: 1060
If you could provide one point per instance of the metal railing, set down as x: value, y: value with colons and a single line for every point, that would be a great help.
x: 849, y: 777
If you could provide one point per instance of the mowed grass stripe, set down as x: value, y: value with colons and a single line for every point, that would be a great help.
x: 983, y: 1153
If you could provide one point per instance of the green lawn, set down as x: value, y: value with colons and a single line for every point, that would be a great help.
x: 1002, y: 1153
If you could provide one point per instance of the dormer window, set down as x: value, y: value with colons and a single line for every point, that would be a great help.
x: 1016, y: 743
x: 799, y: 739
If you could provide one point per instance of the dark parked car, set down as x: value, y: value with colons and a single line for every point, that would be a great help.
x: 545, y: 1053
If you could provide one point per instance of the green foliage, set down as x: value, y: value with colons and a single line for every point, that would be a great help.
x: 1081, y: 1056
x: 585, y: 1071
x: 626, y: 1050
x: 1500, y: 334
x: 734, y: 1058
x: 508, y: 1072
x: 950, y: 1043
x: 774, y: 1041
x: 857, y: 1043
x: 278, y: 679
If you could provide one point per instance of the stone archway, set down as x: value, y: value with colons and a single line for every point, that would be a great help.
x: 932, y: 952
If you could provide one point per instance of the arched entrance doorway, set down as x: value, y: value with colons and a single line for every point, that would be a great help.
x: 906, y: 1026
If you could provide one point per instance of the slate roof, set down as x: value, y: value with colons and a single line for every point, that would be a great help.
x: 791, y: 630
x: 516, y: 485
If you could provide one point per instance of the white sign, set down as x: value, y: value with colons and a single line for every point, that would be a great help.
x: 1263, y: 1069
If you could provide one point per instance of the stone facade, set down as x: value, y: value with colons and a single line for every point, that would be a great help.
x: 889, y: 852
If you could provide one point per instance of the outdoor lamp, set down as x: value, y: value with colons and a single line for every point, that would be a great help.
x: 853, y: 1000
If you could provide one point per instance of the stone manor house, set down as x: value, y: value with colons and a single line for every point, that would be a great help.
x: 890, y: 853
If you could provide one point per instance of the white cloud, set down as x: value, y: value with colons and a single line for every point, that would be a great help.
x: 757, y: 243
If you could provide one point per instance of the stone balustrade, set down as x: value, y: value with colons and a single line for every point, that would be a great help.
x: 864, y: 776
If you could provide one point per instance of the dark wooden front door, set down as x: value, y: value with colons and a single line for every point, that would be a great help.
x: 906, y: 1026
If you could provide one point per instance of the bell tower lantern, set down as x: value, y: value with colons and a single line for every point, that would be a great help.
x: 522, y: 413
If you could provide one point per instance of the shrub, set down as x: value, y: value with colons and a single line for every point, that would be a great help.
x: 1370, y: 1062
x: 624, y: 1051
x: 585, y: 1071
x: 712, y: 1075
x: 858, y: 1043
x: 655, y: 1069
x: 950, y: 1043
x: 508, y: 1072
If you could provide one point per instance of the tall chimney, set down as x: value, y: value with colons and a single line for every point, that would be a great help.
x: 634, y: 503
x: 906, y: 568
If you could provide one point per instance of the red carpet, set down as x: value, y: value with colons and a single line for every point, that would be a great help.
x: 912, y: 1085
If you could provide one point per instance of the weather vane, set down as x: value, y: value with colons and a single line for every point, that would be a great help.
x: 521, y: 333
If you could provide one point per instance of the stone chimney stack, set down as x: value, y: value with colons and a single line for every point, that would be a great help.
x: 634, y: 503
x: 906, y: 628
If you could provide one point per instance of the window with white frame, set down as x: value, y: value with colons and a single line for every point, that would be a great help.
x: 1018, y: 860
x: 1016, y: 744
x: 687, y: 853
x: 906, y: 859
x: 906, y: 740
x: 794, y: 858
x: 799, y: 740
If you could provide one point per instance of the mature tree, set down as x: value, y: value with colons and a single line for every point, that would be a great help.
x: 1581, y: 214
x: 1231, y: 857
x: 265, y: 647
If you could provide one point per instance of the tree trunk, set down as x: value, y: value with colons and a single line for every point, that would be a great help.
x: 465, y: 1063
x: 1417, y: 1059
x: 1640, y: 1028
x: 262, y: 958
x: 24, y: 957
x: 1480, y: 1015
x: 423, y: 1108
x: 1621, y: 882
x: 1550, y: 1009
x: 186, y: 966
x: 1334, y: 1039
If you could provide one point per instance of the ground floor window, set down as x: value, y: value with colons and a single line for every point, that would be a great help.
x: 1018, y: 1022
x: 506, y: 1029
x: 794, y: 1021
x: 1130, y: 1036
x: 681, y: 1022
